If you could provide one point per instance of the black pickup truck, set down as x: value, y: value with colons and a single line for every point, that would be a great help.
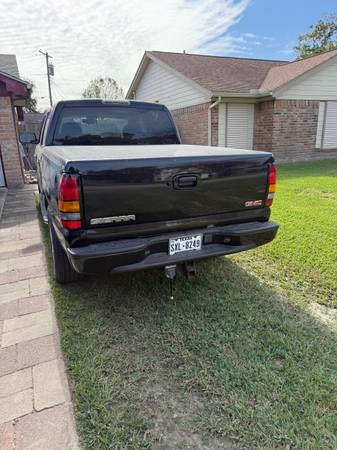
x: 120, y: 192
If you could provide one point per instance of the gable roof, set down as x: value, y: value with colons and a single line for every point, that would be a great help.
x: 219, y: 73
x: 279, y: 76
x: 9, y: 65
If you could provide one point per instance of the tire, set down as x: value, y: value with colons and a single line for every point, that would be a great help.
x: 63, y: 272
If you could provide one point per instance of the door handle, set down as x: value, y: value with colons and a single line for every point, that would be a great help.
x: 185, y: 181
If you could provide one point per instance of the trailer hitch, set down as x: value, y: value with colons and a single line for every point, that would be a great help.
x: 173, y: 270
x: 171, y: 274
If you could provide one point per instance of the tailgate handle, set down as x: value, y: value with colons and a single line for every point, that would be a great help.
x: 185, y: 181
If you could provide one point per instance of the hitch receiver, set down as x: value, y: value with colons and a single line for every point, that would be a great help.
x: 171, y: 271
x: 171, y: 274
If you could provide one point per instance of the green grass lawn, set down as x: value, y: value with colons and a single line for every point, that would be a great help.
x: 236, y: 360
x: 305, y: 250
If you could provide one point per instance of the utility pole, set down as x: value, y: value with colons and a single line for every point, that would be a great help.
x: 50, y: 72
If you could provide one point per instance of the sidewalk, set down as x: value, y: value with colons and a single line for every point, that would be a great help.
x: 35, y: 404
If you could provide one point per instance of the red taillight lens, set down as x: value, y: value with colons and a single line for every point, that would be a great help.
x: 272, y: 174
x: 71, y: 224
x: 69, y: 202
x: 68, y: 188
x: 271, y: 185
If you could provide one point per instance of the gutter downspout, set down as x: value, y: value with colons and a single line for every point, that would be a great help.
x: 210, y: 119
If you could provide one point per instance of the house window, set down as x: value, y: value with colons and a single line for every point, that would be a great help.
x: 326, y: 137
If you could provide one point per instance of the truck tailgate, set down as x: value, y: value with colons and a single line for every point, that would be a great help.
x: 172, y: 188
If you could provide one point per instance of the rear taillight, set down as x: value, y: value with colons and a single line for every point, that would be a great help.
x: 271, y: 185
x: 69, y: 202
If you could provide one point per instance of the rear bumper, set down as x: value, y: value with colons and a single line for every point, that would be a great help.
x: 125, y: 255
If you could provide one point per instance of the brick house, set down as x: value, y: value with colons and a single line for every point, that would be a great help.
x: 13, y: 92
x: 289, y: 108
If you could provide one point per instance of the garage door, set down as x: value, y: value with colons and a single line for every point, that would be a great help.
x: 326, y: 137
x: 236, y: 125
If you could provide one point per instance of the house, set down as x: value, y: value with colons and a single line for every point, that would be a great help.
x: 13, y: 91
x: 289, y: 108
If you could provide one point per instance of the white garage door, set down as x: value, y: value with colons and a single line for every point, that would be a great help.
x: 326, y: 137
x: 236, y: 125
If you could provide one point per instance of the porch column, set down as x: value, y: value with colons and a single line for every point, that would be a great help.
x: 9, y: 145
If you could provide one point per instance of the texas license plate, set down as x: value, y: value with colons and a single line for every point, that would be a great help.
x: 185, y: 244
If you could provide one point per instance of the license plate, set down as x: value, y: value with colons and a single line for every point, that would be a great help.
x: 185, y: 244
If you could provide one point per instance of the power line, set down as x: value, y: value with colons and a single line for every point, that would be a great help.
x: 58, y: 90
x: 50, y: 72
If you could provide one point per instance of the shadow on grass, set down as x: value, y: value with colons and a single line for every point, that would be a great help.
x: 226, y: 364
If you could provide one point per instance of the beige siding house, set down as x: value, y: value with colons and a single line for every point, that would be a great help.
x: 175, y: 92
x: 289, y: 108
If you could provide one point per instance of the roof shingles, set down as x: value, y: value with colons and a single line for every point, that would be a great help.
x: 280, y: 76
x: 220, y: 74
x: 239, y: 75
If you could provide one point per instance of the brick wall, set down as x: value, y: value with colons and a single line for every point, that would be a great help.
x: 263, y: 126
x: 192, y: 123
x: 215, y: 124
x: 8, y: 144
x: 294, y: 129
x: 285, y: 127
x: 288, y: 129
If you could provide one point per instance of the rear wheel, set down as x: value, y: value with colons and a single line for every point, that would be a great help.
x: 63, y: 272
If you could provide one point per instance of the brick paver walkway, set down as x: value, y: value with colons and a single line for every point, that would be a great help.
x: 35, y: 405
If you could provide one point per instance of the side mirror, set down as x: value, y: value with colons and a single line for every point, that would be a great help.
x: 26, y: 137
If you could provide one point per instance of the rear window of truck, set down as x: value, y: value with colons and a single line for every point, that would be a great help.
x: 114, y: 125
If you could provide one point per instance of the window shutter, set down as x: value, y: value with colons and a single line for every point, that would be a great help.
x: 321, y: 113
x: 330, y: 129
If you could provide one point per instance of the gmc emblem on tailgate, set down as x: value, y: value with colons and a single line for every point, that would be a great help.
x: 252, y: 203
x: 113, y: 219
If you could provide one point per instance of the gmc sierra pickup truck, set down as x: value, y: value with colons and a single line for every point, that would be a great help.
x: 120, y: 192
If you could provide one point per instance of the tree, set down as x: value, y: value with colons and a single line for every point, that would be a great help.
x: 322, y: 37
x: 31, y: 102
x: 103, y: 87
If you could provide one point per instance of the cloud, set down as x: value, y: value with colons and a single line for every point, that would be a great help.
x: 93, y: 37
x: 249, y: 35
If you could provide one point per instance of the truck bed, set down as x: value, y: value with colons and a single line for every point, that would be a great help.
x: 134, y: 185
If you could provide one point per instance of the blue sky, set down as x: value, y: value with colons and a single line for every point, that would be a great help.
x: 91, y: 38
x: 282, y: 21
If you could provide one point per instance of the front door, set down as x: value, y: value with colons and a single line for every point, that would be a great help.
x: 2, y: 175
